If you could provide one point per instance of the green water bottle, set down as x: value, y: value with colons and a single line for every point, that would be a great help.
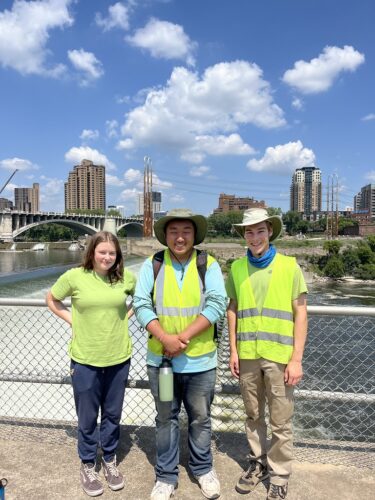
x: 165, y: 380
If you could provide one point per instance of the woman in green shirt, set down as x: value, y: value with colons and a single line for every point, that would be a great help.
x: 100, y: 351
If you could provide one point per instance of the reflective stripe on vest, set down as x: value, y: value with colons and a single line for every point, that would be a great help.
x: 176, y: 309
x: 269, y: 333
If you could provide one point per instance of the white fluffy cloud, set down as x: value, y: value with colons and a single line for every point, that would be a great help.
x: 88, y: 134
x: 297, y: 103
x: 118, y: 17
x: 24, y: 34
x: 369, y: 117
x: 189, y: 113
x: 112, y: 180
x: 319, y: 74
x: 129, y: 194
x: 76, y: 155
x: 199, y: 171
x: 216, y: 146
x: 86, y: 62
x: 133, y: 175
x: 283, y: 159
x: 19, y: 163
x: 164, y: 40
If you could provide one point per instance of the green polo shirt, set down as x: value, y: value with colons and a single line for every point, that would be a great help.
x: 100, y: 334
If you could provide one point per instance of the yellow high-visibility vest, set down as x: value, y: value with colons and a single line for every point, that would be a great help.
x: 176, y: 309
x: 267, y: 334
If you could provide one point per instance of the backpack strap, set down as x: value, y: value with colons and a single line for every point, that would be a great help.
x: 202, y: 266
x: 157, y: 261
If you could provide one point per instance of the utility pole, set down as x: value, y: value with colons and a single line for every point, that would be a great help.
x: 147, y: 198
x: 327, y: 210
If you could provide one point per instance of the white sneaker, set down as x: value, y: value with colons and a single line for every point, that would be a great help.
x: 210, y: 485
x: 162, y: 491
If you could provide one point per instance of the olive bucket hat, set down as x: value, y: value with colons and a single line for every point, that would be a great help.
x: 255, y: 216
x: 199, y: 222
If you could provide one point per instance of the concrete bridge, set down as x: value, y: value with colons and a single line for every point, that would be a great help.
x: 13, y: 224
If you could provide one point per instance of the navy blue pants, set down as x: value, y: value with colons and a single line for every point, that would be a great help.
x: 97, y: 388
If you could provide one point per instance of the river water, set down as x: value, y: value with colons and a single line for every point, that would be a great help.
x: 328, y: 367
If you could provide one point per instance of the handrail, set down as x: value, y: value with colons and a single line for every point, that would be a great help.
x: 312, y: 310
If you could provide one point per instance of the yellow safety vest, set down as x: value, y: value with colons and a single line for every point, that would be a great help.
x: 176, y: 309
x: 267, y: 334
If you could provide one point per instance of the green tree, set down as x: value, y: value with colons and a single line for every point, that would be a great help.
x: 365, y: 254
x: 334, y: 267
x: 113, y: 213
x: 332, y: 247
x: 274, y: 211
x: 221, y: 224
x: 345, y: 222
x: 291, y: 220
x: 350, y: 259
x: 371, y: 241
x: 365, y: 272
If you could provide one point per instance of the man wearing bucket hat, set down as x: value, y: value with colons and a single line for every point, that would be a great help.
x: 267, y: 323
x: 179, y: 309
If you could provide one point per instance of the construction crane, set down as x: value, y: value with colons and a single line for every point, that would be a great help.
x: 8, y: 181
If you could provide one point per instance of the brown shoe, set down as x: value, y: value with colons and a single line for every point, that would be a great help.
x: 113, y: 476
x: 250, y: 478
x: 277, y: 492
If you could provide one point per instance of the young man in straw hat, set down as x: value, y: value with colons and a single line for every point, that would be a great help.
x: 267, y: 323
x: 179, y: 312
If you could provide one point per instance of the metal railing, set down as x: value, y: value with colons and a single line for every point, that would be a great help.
x: 335, y: 403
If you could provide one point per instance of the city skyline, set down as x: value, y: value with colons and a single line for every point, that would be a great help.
x: 222, y: 99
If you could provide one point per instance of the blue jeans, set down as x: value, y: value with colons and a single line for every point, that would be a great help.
x: 196, y: 392
x: 96, y: 388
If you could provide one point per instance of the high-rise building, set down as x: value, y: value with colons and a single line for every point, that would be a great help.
x: 230, y: 202
x: 306, y: 191
x: 6, y: 204
x: 156, y: 203
x: 85, y: 188
x: 27, y: 199
x: 364, y: 201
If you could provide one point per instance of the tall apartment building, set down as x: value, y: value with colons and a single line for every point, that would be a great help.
x: 364, y: 201
x: 230, y: 202
x: 85, y: 188
x: 27, y: 199
x: 306, y: 191
x: 156, y: 203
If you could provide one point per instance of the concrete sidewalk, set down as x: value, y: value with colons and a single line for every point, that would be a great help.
x: 43, y: 464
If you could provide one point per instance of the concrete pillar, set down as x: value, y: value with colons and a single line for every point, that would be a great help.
x: 110, y: 225
x: 6, y: 233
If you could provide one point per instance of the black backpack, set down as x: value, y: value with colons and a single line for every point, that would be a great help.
x: 158, y: 259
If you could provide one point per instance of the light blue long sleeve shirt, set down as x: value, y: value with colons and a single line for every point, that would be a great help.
x: 214, y: 309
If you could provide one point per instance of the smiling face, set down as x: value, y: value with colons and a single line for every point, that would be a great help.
x: 179, y: 235
x: 104, y: 257
x: 258, y: 238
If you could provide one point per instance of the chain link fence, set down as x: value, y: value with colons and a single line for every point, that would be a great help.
x: 335, y: 404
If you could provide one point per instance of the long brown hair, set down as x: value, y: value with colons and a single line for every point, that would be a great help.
x: 116, y: 272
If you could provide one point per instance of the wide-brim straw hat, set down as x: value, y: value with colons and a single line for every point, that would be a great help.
x: 199, y: 221
x: 254, y: 216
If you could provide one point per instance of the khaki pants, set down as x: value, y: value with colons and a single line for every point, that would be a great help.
x: 259, y: 379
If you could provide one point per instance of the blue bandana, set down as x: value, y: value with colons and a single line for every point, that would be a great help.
x: 263, y: 261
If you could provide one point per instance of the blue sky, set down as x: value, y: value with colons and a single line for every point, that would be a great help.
x: 224, y: 96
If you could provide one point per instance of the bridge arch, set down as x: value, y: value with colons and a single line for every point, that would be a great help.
x: 81, y: 227
x: 133, y: 229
